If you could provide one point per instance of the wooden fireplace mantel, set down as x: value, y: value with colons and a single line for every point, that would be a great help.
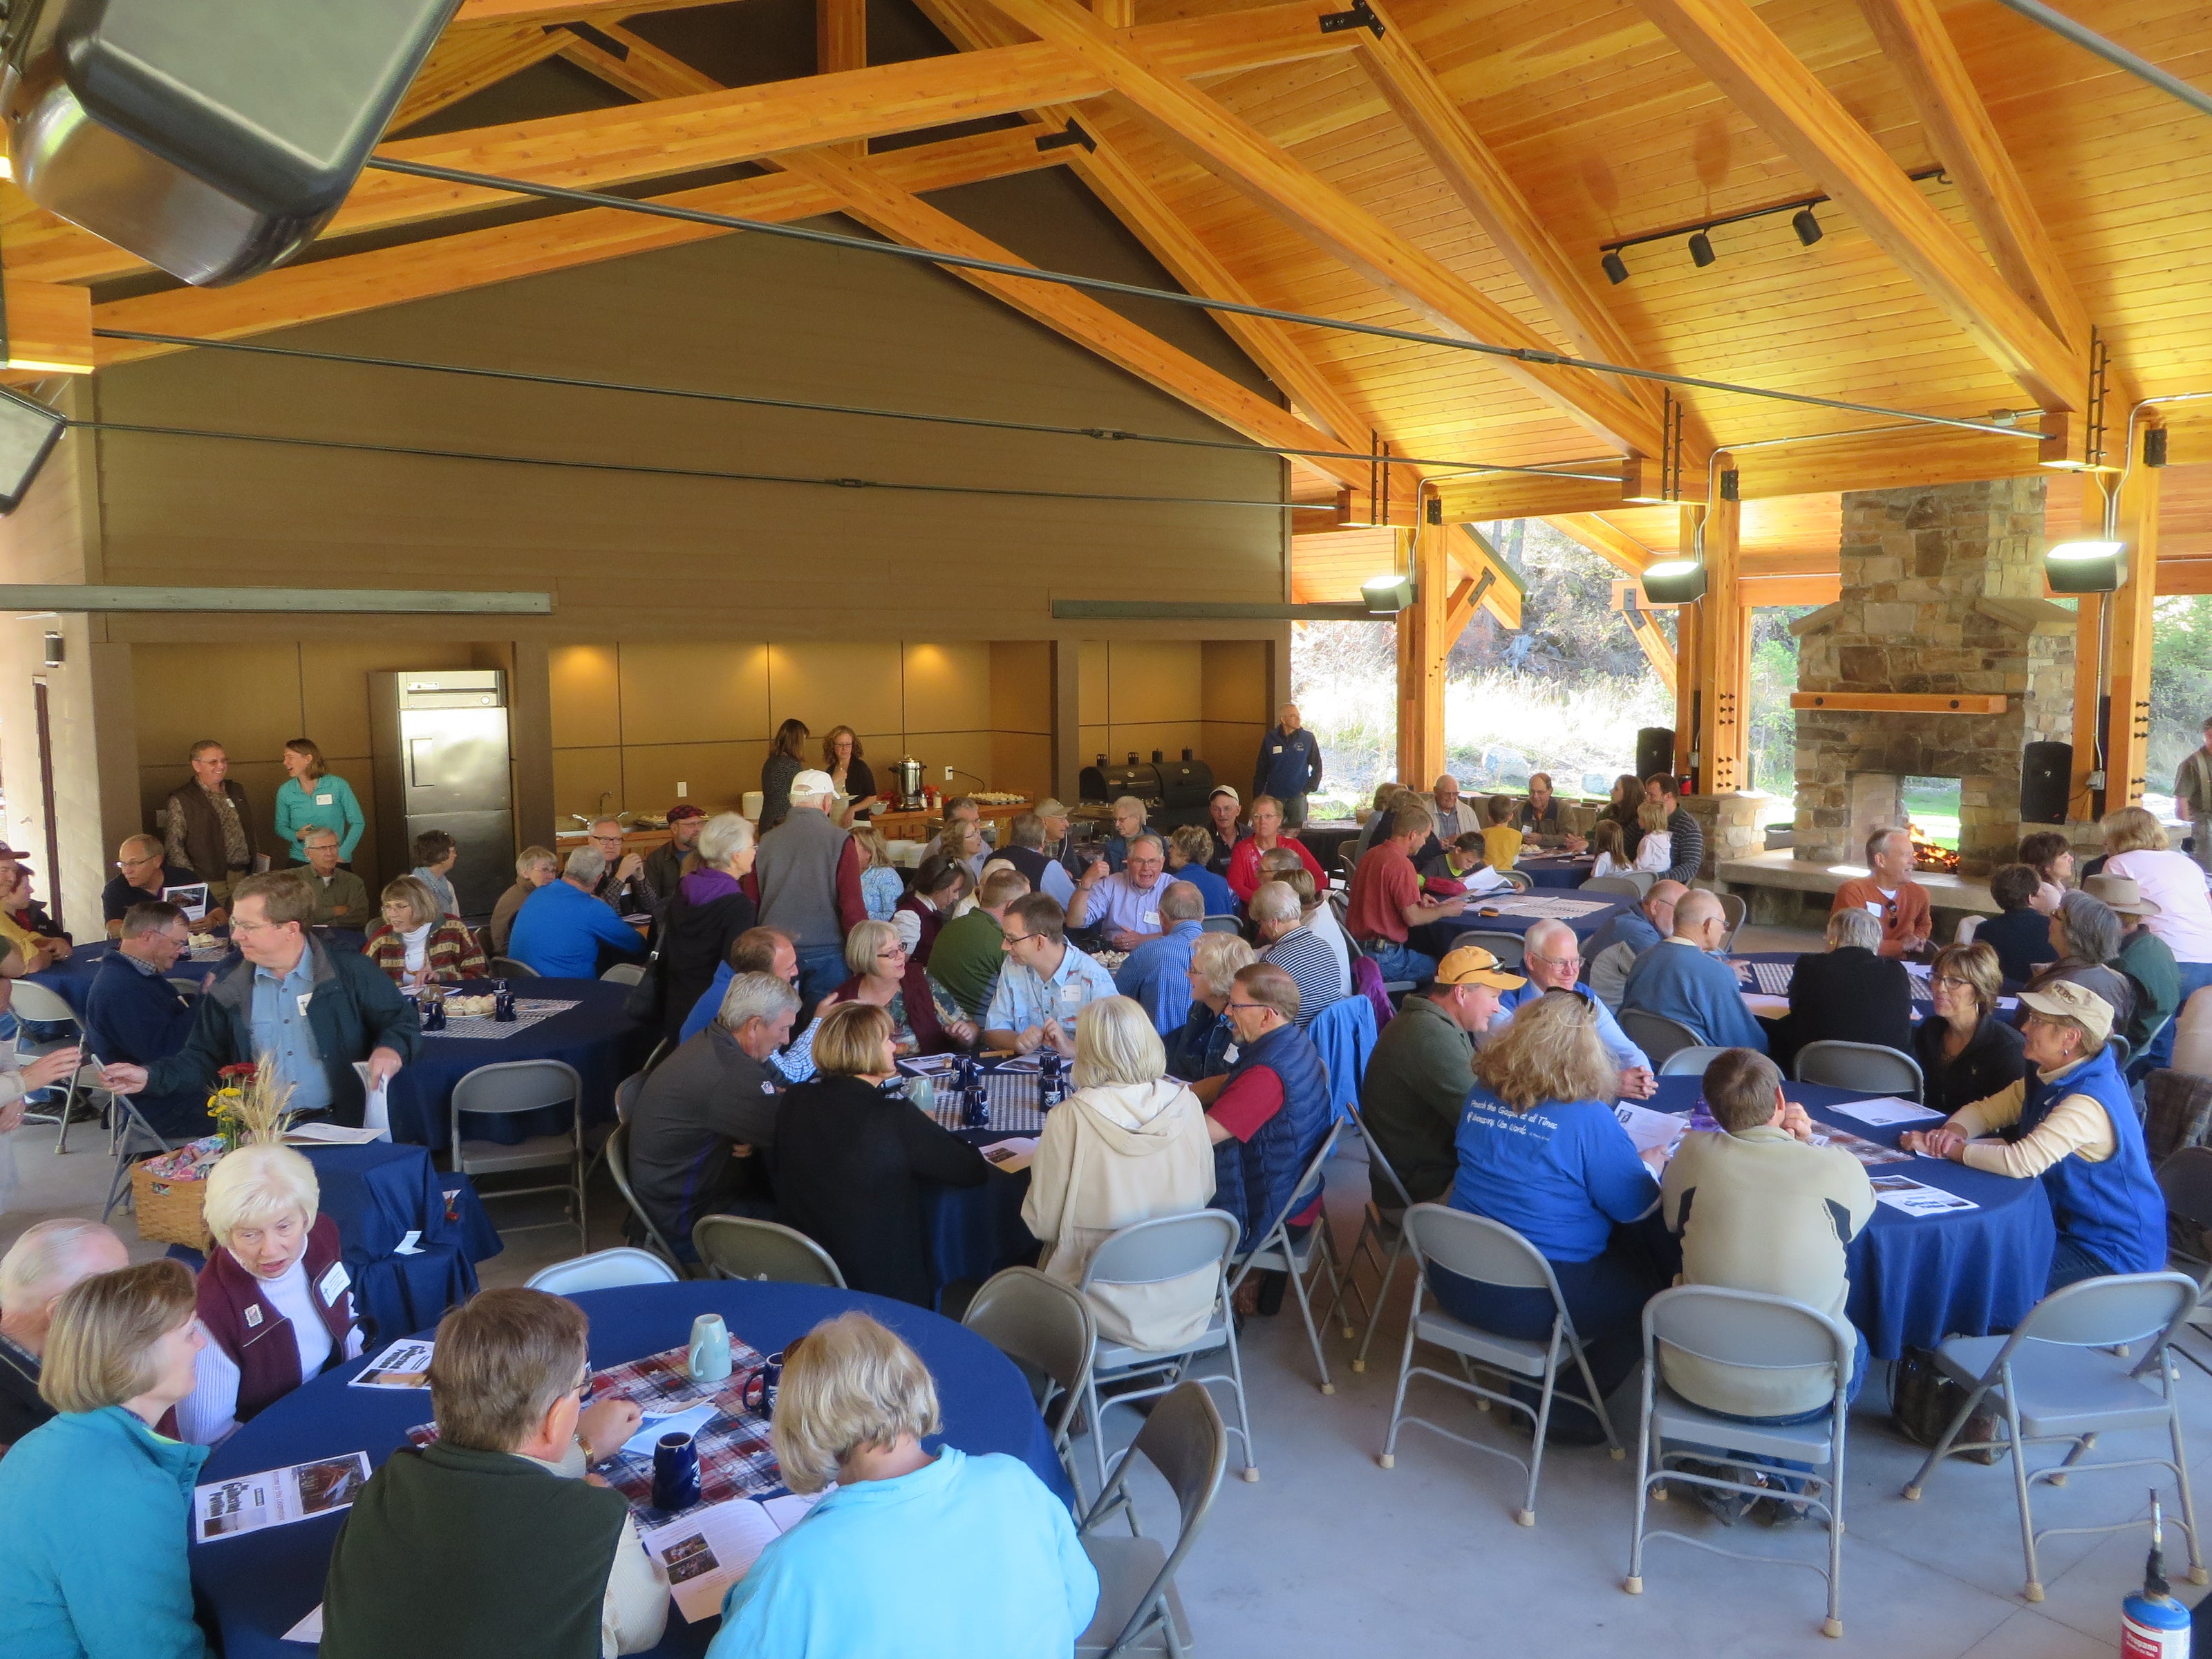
x: 1905, y: 703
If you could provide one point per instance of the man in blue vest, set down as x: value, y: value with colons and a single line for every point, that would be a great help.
x: 1289, y: 767
x: 2075, y: 1129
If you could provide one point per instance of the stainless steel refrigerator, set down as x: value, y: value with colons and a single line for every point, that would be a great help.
x: 439, y: 738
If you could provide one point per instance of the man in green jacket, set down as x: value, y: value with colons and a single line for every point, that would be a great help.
x: 1418, y: 1076
x: 970, y: 949
x: 317, y: 1011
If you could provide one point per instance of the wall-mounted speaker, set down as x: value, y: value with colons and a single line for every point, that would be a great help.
x: 1654, y: 750
x: 2046, y: 771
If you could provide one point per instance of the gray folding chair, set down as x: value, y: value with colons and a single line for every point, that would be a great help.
x: 33, y: 1001
x: 2054, y: 1379
x: 1158, y: 1251
x: 661, y: 1050
x: 135, y: 1138
x: 1139, y: 1611
x: 742, y: 1247
x: 1744, y: 1331
x: 1222, y: 925
x: 1507, y: 947
x: 1305, y: 1260
x: 1691, y: 1061
x: 624, y: 973
x: 603, y: 1270
x: 1733, y: 910
x: 1620, y: 886
x: 1046, y: 1326
x: 1382, y: 1228
x: 626, y: 1093
x: 1868, y: 1067
x: 508, y: 968
x: 1657, y: 1036
x: 1518, y: 880
x: 506, y: 1089
x: 2184, y: 1180
x: 1475, y: 1247
x: 616, y: 1152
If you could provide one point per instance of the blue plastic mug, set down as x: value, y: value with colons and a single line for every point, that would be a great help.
x: 675, y: 1472
x: 758, y: 1394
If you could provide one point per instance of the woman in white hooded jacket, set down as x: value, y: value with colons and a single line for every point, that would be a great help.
x: 1129, y: 1144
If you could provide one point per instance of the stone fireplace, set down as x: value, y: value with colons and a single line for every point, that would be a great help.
x: 1941, y: 596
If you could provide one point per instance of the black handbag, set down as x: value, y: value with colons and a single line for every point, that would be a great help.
x: 1923, y: 1401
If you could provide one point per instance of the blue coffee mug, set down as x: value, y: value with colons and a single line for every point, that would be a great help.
x: 758, y: 1394
x: 675, y: 1472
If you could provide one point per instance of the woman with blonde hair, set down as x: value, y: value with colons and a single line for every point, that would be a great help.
x: 534, y: 866
x: 311, y: 798
x: 2170, y: 885
x: 1200, y: 1049
x: 275, y: 1299
x: 854, y: 778
x: 923, y: 1019
x: 1541, y: 1150
x: 95, y: 1505
x: 415, y: 942
x: 852, y: 1155
x: 928, y: 1555
x: 1128, y: 1145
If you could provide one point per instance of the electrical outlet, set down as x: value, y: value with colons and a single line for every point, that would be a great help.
x: 682, y: 790
x: 948, y: 775
x: 2095, y: 781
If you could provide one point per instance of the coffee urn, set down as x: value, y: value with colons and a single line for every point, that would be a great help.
x: 907, y: 773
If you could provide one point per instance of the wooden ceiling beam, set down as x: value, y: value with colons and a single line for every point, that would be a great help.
x: 467, y: 61
x: 1887, y: 460
x: 1918, y: 45
x: 1605, y: 539
x: 869, y: 194
x: 1736, y: 50
x: 598, y: 148
x: 1480, y: 497
x: 642, y: 70
x: 1241, y: 155
x: 324, y: 288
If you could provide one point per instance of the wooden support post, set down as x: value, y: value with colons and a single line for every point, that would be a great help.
x: 841, y: 42
x: 2127, y: 754
x: 1713, y: 673
x: 1423, y: 645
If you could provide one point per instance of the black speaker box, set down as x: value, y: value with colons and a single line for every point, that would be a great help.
x: 2046, y: 769
x: 1654, y: 750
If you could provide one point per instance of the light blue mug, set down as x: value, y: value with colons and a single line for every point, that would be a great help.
x: 708, y: 1360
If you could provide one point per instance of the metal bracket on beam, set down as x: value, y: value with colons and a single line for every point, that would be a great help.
x: 1361, y: 16
x: 591, y: 37
x: 1731, y: 483
x: 1073, y: 134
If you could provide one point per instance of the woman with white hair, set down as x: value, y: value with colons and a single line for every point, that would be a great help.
x: 275, y: 1299
x: 924, y: 1020
x: 712, y: 905
x: 1201, y: 1048
x: 927, y: 1555
x: 1128, y: 1145
x: 36, y: 1272
x: 417, y: 942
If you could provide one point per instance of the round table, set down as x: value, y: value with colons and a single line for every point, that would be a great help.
x: 1549, y: 870
x: 1917, y: 1279
x: 597, y: 1037
x: 1436, y: 936
x: 260, y: 1584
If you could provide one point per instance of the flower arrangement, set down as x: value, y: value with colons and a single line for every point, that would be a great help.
x: 251, y: 1104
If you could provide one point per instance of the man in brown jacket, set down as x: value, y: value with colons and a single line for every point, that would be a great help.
x: 210, y: 830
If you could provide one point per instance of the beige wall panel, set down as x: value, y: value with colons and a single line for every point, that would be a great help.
x: 1022, y: 760
x: 334, y: 685
x: 1231, y: 749
x: 1170, y: 737
x: 719, y: 774
x: 579, y: 776
x: 1092, y: 741
x: 829, y: 683
x: 1095, y: 703
x: 948, y: 687
x: 1153, y: 680
x: 1233, y: 681
x: 587, y: 681
x: 969, y: 751
x: 1021, y: 685
x: 246, y: 696
x: 694, y: 691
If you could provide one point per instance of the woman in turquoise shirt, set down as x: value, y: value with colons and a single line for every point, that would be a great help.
x: 927, y: 1556
x: 96, y: 1506
x: 310, y: 797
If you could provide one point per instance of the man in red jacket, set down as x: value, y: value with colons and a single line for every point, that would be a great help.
x: 1890, y: 895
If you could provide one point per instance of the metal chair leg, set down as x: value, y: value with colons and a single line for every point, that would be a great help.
x: 2033, y: 1588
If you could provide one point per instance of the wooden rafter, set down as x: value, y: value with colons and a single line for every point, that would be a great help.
x: 1241, y: 155
x: 1605, y: 539
x: 466, y: 61
x: 1743, y: 57
x: 1643, y: 627
x: 449, y: 264
x: 841, y: 42
x: 637, y: 67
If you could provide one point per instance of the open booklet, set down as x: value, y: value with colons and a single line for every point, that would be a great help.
x: 1652, y: 1132
x: 709, y: 1550
x: 275, y: 1498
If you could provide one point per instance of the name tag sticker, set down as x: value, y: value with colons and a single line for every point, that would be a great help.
x: 1874, y: 909
x: 1277, y: 750
x: 1151, y: 918
x: 253, y: 1313
x: 306, y: 997
x: 322, y: 800
x: 332, y: 1285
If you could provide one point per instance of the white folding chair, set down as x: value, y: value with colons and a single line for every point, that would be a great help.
x: 505, y: 1090
x: 1300, y: 1258
x: 1691, y: 1061
x: 2055, y: 1377
x: 1158, y: 1252
x: 1475, y: 1247
x: 603, y: 1270
x: 626, y: 1094
x: 1748, y: 1332
x: 33, y: 1002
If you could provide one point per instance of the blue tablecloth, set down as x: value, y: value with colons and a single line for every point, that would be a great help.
x: 604, y: 1045
x: 973, y: 1231
x: 260, y: 1584
x: 376, y: 1195
x: 71, y: 977
x: 1436, y: 936
x: 1917, y: 1279
x: 1556, y: 873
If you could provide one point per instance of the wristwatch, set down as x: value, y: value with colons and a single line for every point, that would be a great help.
x: 585, y: 1446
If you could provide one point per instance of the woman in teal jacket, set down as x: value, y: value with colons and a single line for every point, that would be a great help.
x: 311, y: 798
x: 95, y: 1506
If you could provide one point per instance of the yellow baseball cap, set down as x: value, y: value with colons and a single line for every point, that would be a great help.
x: 1472, y: 965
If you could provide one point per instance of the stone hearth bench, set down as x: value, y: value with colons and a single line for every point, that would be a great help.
x: 1779, y: 890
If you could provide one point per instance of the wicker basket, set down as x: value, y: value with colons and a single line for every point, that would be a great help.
x: 169, y: 1212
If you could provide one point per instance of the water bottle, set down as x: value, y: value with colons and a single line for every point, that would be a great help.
x: 2152, y: 1625
x: 502, y: 1002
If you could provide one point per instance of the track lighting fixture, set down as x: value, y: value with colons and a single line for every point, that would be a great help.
x: 1802, y: 219
x: 1616, y: 268
x: 1807, y: 226
x: 1701, y: 249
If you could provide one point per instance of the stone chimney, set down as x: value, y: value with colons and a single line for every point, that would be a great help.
x: 1941, y: 595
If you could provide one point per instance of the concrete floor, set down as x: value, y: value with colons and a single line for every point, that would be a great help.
x: 1329, y: 1552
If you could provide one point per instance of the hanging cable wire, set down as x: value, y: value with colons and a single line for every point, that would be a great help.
x: 1563, y: 469
x: 1132, y: 290
x: 646, y: 470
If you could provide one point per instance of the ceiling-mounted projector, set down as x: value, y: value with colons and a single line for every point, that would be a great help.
x: 213, y: 138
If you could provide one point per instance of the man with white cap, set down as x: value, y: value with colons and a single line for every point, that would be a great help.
x: 1552, y: 957
x: 2074, y: 1129
x: 1222, y: 808
x: 809, y: 872
x: 1417, y: 1080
